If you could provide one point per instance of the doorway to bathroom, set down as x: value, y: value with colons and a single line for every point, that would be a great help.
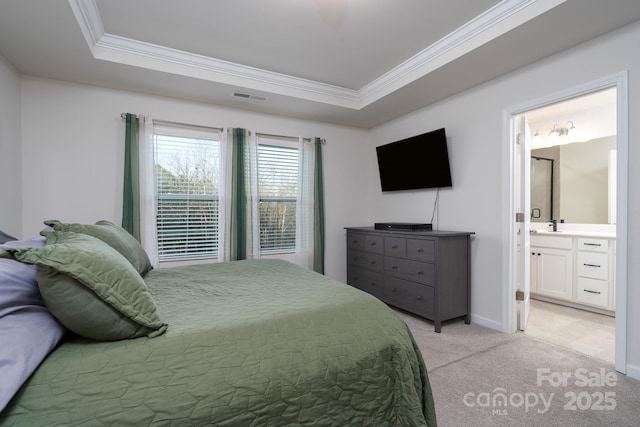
x: 567, y: 242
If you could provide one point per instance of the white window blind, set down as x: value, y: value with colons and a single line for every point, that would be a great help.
x: 187, y: 178
x: 277, y: 190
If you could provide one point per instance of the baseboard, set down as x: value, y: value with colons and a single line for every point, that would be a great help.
x: 633, y: 371
x: 486, y: 322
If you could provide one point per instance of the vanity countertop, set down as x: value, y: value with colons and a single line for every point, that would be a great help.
x: 576, y: 233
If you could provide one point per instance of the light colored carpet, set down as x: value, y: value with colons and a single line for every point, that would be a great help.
x: 471, y: 368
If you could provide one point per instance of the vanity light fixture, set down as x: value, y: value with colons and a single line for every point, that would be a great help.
x: 560, y: 132
x: 557, y: 135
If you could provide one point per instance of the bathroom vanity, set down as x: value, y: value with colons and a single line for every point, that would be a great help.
x: 574, y: 267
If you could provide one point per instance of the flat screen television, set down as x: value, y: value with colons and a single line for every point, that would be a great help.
x: 421, y: 161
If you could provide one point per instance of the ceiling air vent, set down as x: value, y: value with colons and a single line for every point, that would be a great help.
x: 244, y: 95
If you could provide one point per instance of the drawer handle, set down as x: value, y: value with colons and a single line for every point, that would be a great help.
x: 420, y: 250
x: 419, y: 298
x: 373, y: 243
x: 373, y: 262
x: 592, y: 292
x: 420, y: 273
x: 394, y: 290
x: 394, y: 247
x: 394, y: 267
x: 593, y: 244
x: 373, y: 283
x: 591, y: 265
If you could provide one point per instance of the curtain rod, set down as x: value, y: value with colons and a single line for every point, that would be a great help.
x: 166, y: 122
x: 170, y: 123
x: 288, y: 138
x: 123, y: 116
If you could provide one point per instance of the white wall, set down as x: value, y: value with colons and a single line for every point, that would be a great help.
x: 475, y: 131
x: 73, y: 140
x: 10, y: 153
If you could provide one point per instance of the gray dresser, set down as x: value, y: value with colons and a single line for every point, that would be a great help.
x: 423, y: 272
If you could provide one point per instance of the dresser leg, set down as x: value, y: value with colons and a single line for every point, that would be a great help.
x: 438, y: 326
x: 467, y: 319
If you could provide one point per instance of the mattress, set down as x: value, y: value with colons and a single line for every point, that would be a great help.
x: 249, y: 343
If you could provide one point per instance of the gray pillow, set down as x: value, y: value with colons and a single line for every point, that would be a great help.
x: 113, y: 235
x: 4, y: 237
x: 92, y: 289
x: 28, y: 331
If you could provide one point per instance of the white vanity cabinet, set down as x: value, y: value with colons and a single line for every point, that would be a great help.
x: 574, y: 268
x: 552, y: 266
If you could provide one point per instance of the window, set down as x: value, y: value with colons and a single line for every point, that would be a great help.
x: 187, y: 179
x: 277, y: 192
x: 198, y: 212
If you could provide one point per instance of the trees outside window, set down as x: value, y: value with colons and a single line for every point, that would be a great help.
x: 187, y: 178
x: 277, y: 190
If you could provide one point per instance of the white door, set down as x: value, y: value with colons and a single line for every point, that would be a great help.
x: 523, y: 222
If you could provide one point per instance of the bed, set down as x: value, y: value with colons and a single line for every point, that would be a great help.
x: 245, y: 343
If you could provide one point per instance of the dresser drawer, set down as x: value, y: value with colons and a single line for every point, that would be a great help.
x: 422, y: 250
x: 366, y: 260
x: 367, y: 281
x: 421, y: 272
x: 355, y: 241
x: 593, y: 291
x: 594, y: 265
x: 595, y: 245
x: 410, y: 296
x: 374, y: 244
x: 395, y: 246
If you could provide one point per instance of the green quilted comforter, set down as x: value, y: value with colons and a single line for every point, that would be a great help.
x: 250, y: 343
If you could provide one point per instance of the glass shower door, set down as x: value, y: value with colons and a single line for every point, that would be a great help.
x: 541, y: 189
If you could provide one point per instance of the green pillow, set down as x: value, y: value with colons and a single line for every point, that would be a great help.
x: 113, y: 235
x: 91, y: 288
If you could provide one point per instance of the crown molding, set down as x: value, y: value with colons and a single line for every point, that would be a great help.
x: 503, y: 17
x: 89, y: 20
x: 496, y: 21
x: 146, y: 55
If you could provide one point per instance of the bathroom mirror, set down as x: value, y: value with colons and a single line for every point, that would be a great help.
x: 574, y: 182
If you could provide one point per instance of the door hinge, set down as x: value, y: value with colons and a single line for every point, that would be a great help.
x: 519, y: 216
x: 519, y: 296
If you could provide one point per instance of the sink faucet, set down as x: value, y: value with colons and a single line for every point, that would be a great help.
x: 554, y: 224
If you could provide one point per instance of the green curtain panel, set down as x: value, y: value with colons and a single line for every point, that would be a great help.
x: 318, y: 214
x: 131, y: 190
x: 238, y: 234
